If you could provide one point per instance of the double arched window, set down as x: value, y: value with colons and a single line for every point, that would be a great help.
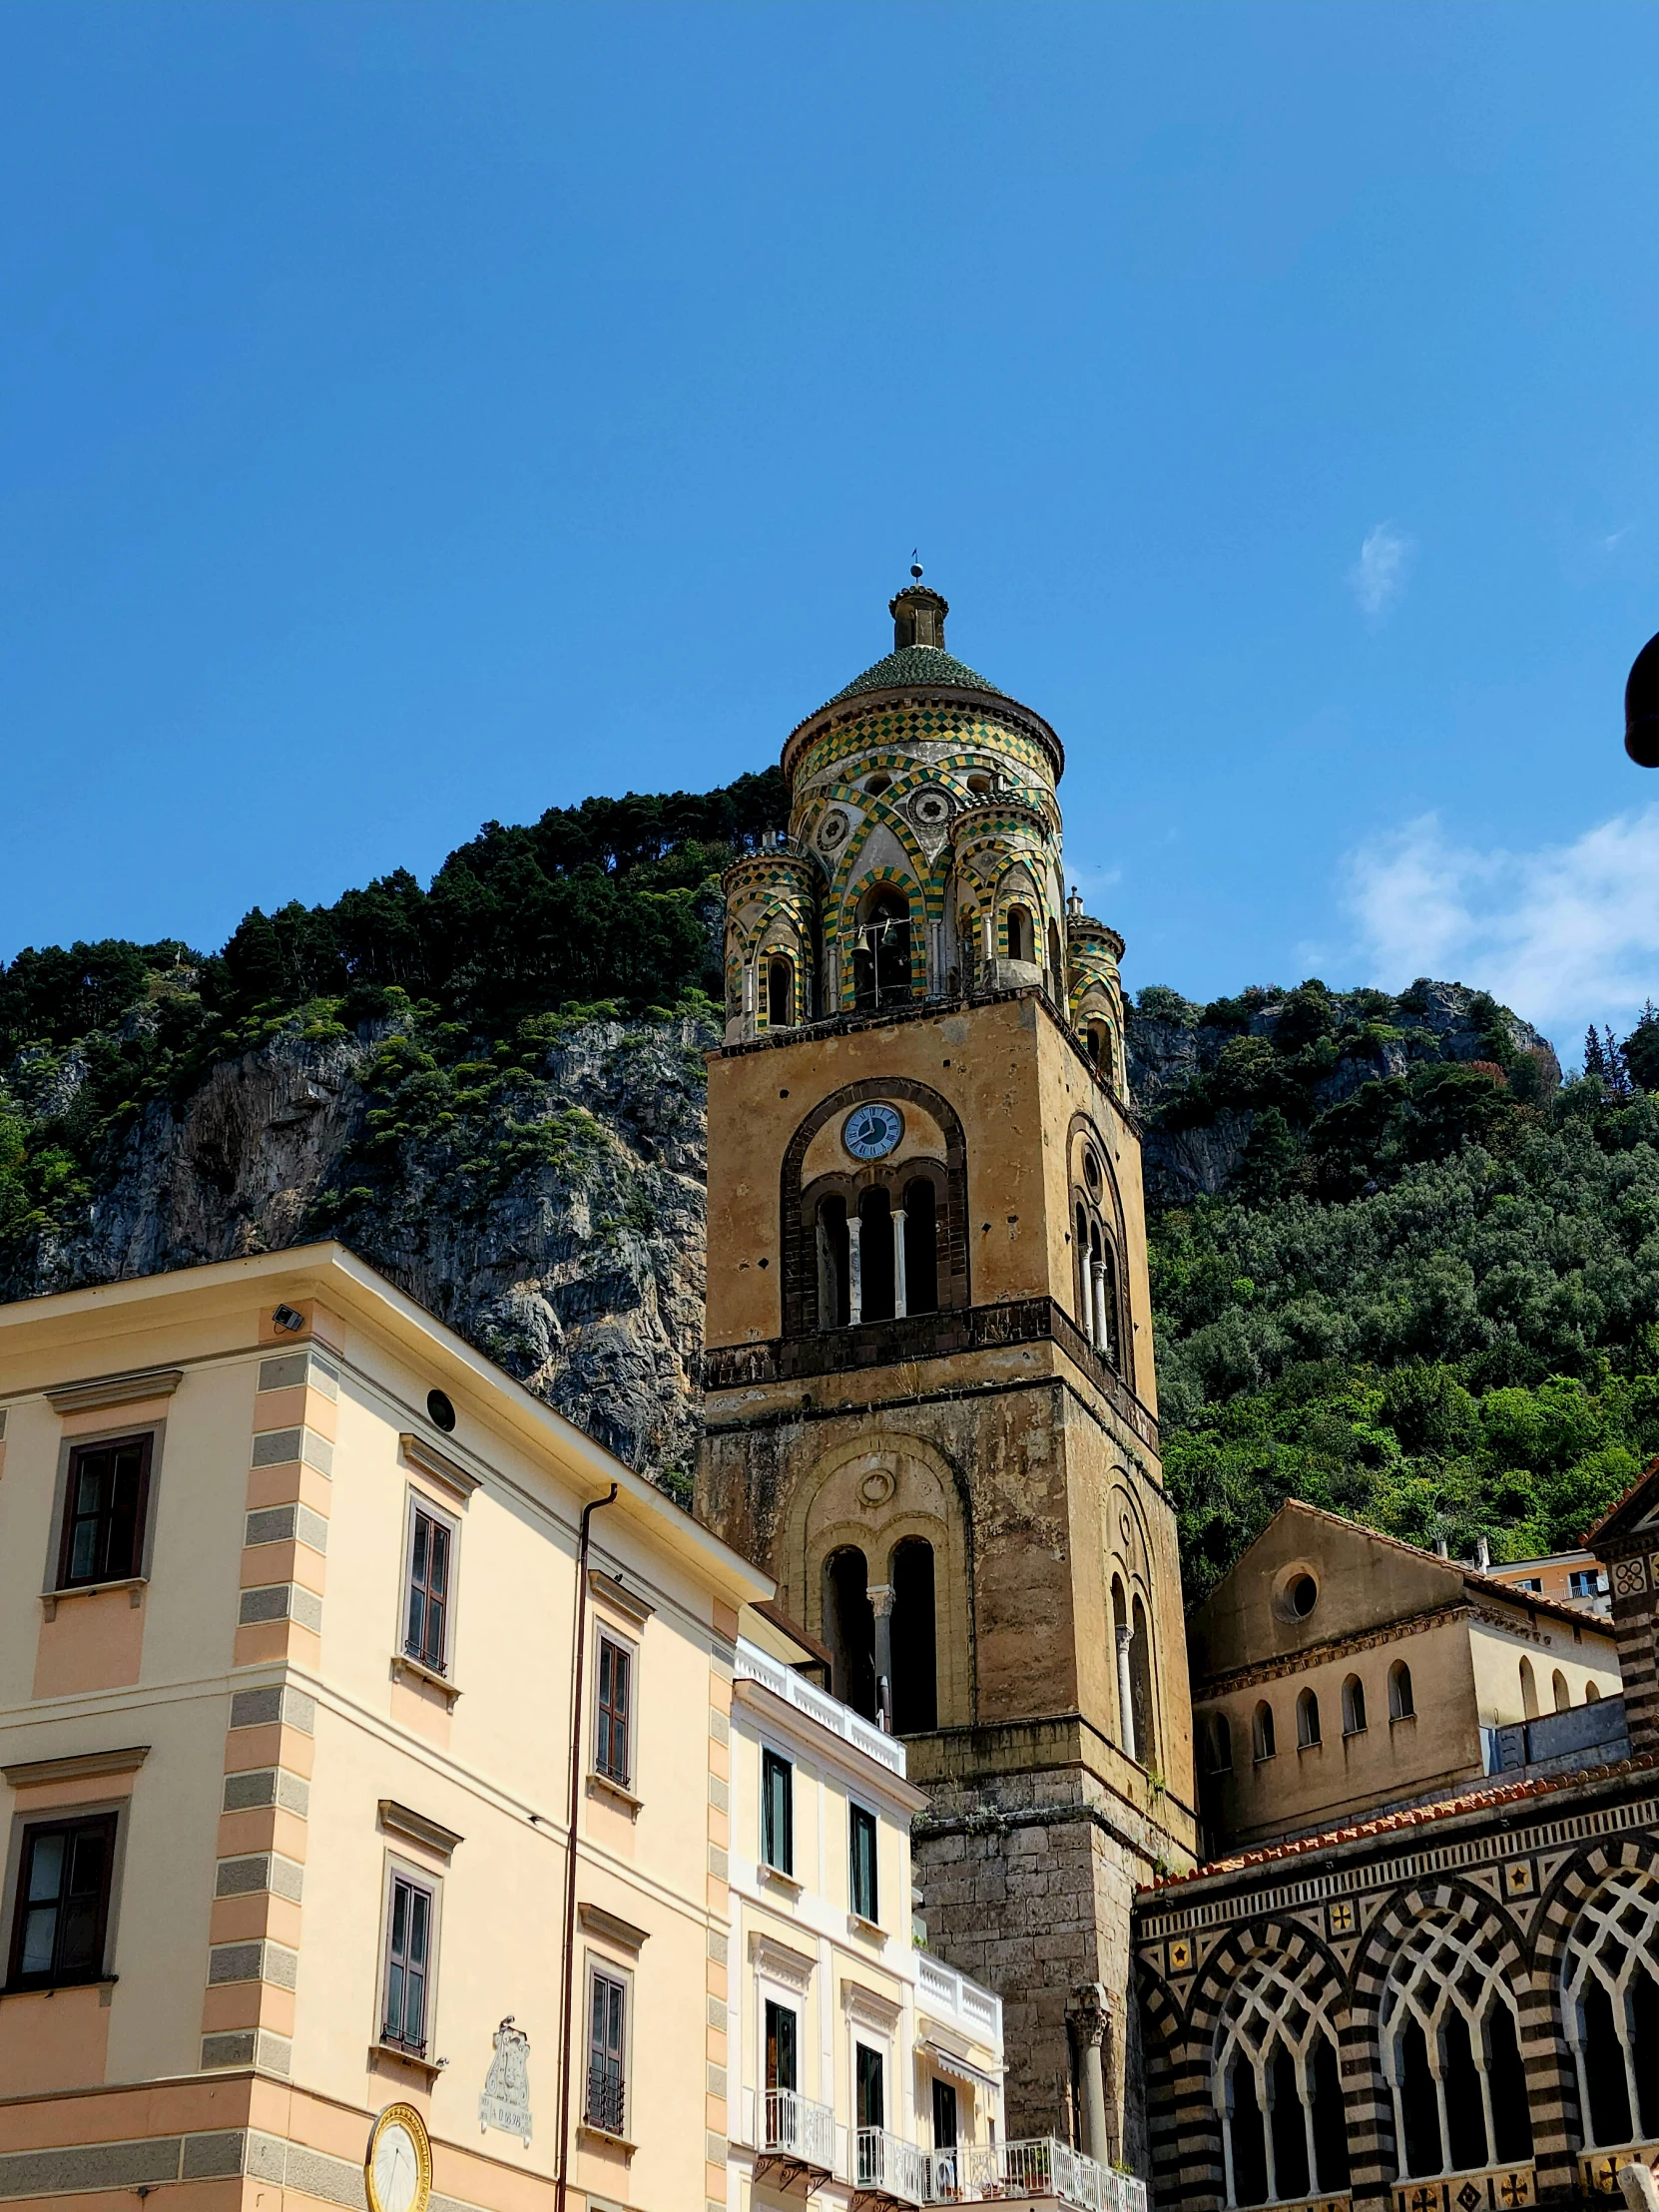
x: 1277, y: 2087
x: 1137, y: 1721
x: 882, y: 1639
x: 1451, y: 2051
x: 1611, y: 2008
x: 1095, y: 1259
x: 877, y: 1252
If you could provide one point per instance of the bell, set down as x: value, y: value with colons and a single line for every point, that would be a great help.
x: 1641, y: 707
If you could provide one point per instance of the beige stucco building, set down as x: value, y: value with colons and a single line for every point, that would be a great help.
x: 1338, y: 1672
x: 289, y: 1595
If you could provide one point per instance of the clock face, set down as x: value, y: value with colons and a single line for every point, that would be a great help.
x: 400, y: 2163
x: 870, y: 1132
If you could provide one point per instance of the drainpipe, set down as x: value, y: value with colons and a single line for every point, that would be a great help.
x: 567, y: 1997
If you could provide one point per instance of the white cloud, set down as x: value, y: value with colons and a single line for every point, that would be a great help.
x: 1378, y: 577
x: 1565, y: 934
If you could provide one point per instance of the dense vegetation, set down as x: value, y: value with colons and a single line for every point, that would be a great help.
x: 615, y: 902
x: 1432, y: 1304
x: 1428, y: 1296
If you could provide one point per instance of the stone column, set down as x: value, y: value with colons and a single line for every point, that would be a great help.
x: 881, y: 1604
x: 855, y: 1270
x: 826, y: 1277
x: 900, y: 1293
x: 1126, y: 1690
x: 1086, y: 2025
x: 1097, y: 1278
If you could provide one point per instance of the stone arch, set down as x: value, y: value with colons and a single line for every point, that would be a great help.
x: 1560, y: 1921
x: 1106, y: 1209
x: 872, y: 1495
x: 1129, y: 1557
x: 1465, y: 1910
x: 800, y: 1258
x: 1182, y: 2135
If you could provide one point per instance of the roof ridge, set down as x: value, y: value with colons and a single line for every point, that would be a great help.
x: 1411, y: 1815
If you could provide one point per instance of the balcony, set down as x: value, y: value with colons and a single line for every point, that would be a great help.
x: 797, y: 2140
x: 1039, y: 2171
x: 887, y: 2170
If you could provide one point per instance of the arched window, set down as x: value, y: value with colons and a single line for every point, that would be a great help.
x: 921, y: 1249
x: 849, y: 1629
x: 1217, y: 1738
x: 1529, y: 1690
x: 1097, y: 1039
x: 780, y: 993
x: 1611, y: 2008
x: 882, y: 951
x: 1306, y: 1720
x: 1021, y: 934
x: 1354, y: 1705
x: 1140, y: 1679
x: 1401, y: 1707
x: 1262, y: 1731
x: 1283, y: 2128
x: 1451, y: 2051
x: 876, y: 1269
x: 1562, y: 1695
x: 1592, y: 1696
x: 1121, y: 1639
x: 1056, y: 962
x: 834, y: 1269
x: 915, y: 1651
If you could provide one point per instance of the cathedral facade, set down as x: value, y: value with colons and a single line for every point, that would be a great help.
x: 931, y: 1405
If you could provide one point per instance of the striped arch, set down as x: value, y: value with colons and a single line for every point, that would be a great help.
x: 1371, y: 2143
x: 1182, y: 2134
x: 1294, y: 1953
x: 1557, y: 2119
x: 843, y: 928
x: 877, y: 814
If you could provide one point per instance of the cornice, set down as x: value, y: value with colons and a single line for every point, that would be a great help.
x: 995, y: 706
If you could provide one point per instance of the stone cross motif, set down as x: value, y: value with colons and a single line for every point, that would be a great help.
x: 505, y: 2102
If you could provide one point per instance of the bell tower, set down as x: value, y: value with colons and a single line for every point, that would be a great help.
x: 930, y: 1409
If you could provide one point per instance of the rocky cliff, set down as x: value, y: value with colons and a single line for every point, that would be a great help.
x: 546, y: 1198
x: 553, y: 1214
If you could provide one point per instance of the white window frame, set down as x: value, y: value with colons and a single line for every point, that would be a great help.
x: 396, y: 1864
x: 788, y: 1758
x: 864, y: 1919
x: 417, y: 1501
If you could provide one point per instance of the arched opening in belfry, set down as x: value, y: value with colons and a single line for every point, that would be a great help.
x: 877, y: 1271
x: 780, y: 992
x: 882, y: 951
x: 1021, y: 935
x: 1140, y: 1682
x: 915, y: 1697
x: 849, y: 1629
x: 834, y: 1273
x: 921, y: 1248
x: 1056, y: 962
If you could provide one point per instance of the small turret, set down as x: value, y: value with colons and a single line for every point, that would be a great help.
x: 917, y: 617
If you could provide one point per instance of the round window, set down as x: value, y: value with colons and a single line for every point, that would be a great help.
x: 440, y: 1411
x: 832, y: 831
x: 929, y: 807
x: 1091, y: 1174
x: 1301, y: 1595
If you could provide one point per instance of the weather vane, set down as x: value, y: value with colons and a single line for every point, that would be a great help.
x: 916, y: 565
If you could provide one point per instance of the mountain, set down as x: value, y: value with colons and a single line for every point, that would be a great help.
x: 1398, y: 1267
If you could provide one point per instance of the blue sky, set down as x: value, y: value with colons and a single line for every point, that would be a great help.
x: 416, y: 414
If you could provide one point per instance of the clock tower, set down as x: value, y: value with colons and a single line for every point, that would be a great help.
x: 930, y: 1407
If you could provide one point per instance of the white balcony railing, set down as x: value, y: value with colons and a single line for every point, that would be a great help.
x: 793, y: 2126
x: 754, y: 1665
x: 975, y: 2173
x: 885, y: 2162
x: 944, y: 1990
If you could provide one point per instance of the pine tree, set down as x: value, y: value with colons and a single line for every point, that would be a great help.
x: 1618, y: 1082
x: 1595, y: 1058
x: 1641, y: 1050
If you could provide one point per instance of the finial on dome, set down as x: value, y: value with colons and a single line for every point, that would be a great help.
x: 917, y: 613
